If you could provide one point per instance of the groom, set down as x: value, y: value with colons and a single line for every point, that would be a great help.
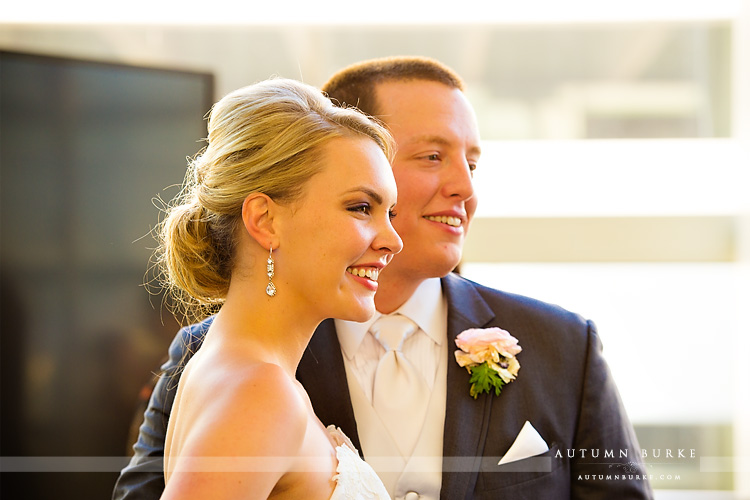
x: 561, y: 411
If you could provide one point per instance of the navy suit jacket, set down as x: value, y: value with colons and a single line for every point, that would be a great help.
x: 564, y: 388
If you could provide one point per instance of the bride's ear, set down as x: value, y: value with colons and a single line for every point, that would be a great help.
x: 258, y: 211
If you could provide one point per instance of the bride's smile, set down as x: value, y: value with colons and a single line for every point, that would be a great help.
x: 342, y: 223
x: 366, y: 274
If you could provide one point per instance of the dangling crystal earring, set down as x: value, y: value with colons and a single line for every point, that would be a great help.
x: 271, y: 288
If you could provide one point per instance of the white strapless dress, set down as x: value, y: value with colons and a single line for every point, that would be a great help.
x: 355, y: 479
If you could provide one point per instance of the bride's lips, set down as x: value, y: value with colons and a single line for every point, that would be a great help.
x: 366, y: 274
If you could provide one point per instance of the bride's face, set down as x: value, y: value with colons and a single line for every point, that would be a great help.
x: 338, y: 236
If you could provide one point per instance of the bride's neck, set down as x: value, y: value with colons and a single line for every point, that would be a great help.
x: 278, y: 329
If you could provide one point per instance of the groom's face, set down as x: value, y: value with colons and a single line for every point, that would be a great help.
x: 438, y: 149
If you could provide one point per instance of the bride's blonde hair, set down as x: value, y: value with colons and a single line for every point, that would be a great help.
x: 261, y: 138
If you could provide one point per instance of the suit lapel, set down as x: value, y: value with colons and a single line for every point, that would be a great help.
x: 321, y: 372
x: 466, y: 418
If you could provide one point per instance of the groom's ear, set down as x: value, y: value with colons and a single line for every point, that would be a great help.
x: 258, y: 212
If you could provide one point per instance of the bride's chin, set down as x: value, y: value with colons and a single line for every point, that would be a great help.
x: 360, y: 314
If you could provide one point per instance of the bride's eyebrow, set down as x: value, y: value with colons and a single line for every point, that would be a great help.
x: 369, y: 192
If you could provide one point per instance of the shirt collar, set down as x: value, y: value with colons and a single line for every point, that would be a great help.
x: 426, y: 307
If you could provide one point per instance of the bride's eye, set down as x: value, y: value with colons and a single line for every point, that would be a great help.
x: 363, y: 208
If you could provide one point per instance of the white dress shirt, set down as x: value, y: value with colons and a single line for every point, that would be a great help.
x: 427, y: 308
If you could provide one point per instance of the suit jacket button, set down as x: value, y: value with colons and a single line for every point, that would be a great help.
x: 412, y: 495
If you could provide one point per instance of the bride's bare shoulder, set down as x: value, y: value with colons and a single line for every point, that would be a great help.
x: 259, y: 398
x: 264, y: 388
x: 247, y: 410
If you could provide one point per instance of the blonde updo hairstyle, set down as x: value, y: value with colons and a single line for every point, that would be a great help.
x: 263, y: 138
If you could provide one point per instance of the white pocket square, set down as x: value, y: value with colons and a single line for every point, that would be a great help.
x: 528, y: 443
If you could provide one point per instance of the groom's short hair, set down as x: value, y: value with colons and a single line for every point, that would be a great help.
x: 356, y: 85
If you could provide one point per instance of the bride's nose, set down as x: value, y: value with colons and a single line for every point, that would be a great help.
x: 388, y: 239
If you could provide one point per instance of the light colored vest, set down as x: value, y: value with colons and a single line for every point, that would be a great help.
x: 422, y: 472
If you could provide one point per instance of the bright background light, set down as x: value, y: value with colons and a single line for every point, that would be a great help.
x: 355, y: 12
x: 613, y: 178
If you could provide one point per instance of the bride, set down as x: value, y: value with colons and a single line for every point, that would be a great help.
x: 284, y: 220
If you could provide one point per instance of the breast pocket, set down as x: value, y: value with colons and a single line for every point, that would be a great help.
x: 540, y: 476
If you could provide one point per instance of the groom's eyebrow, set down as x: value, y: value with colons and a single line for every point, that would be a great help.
x: 369, y: 192
x: 442, y: 141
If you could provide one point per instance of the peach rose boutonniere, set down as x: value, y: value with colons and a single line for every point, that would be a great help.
x: 489, y: 355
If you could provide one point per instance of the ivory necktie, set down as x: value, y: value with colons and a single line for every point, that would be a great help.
x: 400, y: 393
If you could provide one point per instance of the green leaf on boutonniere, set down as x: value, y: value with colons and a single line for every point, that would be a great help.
x: 483, y: 379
